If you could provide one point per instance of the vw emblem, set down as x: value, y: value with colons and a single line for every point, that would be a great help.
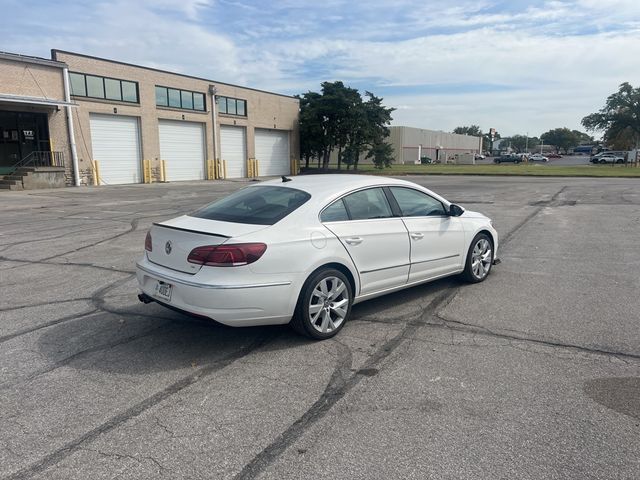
x: 168, y: 247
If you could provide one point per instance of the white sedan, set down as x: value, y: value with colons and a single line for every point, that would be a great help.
x: 538, y: 157
x: 304, y: 250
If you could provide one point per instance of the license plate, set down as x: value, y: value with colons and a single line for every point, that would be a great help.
x: 163, y: 290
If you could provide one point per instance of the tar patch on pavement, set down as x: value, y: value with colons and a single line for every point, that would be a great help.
x: 619, y: 394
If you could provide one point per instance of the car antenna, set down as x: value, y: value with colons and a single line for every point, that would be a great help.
x: 285, y: 179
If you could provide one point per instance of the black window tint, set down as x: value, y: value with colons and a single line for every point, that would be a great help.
x: 77, y: 84
x: 112, y: 89
x: 417, y: 204
x: 95, y: 86
x: 174, y: 98
x: 161, y: 97
x: 335, y: 212
x: 255, y: 205
x: 370, y: 203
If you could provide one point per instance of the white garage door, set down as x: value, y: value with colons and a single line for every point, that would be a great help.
x: 272, y: 152
x: 182, y: 148
x: 115, y: 142
x: 233, y: 149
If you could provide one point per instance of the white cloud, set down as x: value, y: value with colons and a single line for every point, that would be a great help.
x: 557, y: 60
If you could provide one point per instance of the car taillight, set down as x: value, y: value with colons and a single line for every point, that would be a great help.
x: 147, y: 243
x: 231, y: 255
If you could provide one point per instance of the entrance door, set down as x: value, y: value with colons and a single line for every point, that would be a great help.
x: 22, y: 133
x: 115, y: 142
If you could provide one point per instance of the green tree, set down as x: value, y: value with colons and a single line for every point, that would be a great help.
x: 473, y: 130
x: 337, y: 119
x: 565, y: 139
x: 381, y: 153
x: 521, y: 143
x: 619, y: 119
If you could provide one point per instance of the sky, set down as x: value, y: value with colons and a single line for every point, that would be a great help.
x: 522, y: 67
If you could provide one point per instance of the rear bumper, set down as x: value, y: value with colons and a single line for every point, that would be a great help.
x: 242, y: 303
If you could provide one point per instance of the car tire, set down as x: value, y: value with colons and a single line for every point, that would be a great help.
x: 496, y: 161
x: 480, y: 250
x: 324, y: 305
x: 516, y: 161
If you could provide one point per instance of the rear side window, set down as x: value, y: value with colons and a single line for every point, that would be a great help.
x: 255, y: 205
x: 413, y: 203
x: 335, y: 212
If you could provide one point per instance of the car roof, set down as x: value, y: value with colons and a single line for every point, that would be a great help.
x: 329, y: 185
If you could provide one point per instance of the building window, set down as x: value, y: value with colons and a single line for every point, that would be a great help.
x: 232, y: 106
x: 185, y: 99
x: 78, y: 87
x: 93, y: 86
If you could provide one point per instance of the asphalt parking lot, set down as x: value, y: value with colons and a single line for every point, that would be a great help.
x: 534, y: 373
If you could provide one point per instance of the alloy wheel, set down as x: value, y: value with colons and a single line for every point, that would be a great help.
x: 328, y: 305
x: 481, y: 258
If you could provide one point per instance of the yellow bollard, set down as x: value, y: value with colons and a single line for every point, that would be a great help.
x: 163, y: 171
x: 95, y: 173
x: 256, y: 167
x: 224, y: 169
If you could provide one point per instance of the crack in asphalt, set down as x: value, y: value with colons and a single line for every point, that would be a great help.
x: 133, y: 227
x: 338, y: 387
x: 335, y: 390
x: 40, y: 326
x: 478, y: 329
x: 71, y: 447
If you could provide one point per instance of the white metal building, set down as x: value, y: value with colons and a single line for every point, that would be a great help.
x: 410, y: 144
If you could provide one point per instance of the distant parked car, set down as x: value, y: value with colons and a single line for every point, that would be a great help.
x: 538, y: 157
x: 554, y: 155
x: 479, y: 156
x: 509, y: 157
x: 610, y: 158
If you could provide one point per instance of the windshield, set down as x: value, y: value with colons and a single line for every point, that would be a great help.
x: 255, y: 205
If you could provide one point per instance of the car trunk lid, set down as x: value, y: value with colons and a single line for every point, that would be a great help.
x: 173, y: 240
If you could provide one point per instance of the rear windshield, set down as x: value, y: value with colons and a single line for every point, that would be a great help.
x: 255, y: 205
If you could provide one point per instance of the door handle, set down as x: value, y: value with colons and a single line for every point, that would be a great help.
x: 416, y: 235
x: 353, y: 240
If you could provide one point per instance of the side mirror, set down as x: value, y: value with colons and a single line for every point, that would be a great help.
x: 455, y: 210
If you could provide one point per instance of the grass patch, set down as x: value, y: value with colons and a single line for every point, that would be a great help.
x: 522, y: 169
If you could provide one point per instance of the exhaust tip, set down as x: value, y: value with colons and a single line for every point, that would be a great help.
x: 144, y: 298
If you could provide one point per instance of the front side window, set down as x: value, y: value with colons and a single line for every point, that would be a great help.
x: 255, y: 205
x: 413, y: 203
x: 367, y: 204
